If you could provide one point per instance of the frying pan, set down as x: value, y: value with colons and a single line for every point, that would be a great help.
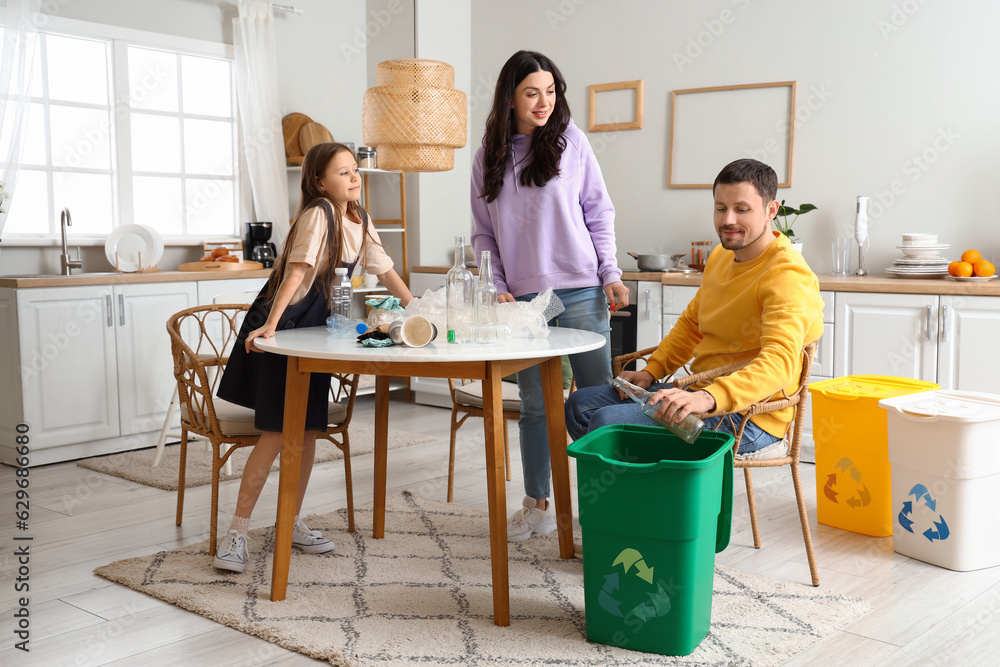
x: 652, y: 262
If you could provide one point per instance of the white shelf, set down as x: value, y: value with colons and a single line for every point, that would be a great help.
x: 388, y: 228
x: 376, y: 171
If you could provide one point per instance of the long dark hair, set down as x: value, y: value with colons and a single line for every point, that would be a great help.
x: 547, y: 142
x: 313, y: 168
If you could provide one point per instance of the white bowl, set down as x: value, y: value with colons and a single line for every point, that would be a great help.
x: 923, y: 251
x: 920, y: 239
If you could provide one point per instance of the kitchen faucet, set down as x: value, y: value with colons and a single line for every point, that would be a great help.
x: 66, y: 220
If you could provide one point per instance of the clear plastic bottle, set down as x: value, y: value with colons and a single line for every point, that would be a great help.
x: 459, y: 295
x: 343, y: 293
x: 339, y: 325
x: 687, y: 430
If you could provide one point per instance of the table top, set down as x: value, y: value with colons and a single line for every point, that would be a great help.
x: 318, y: 343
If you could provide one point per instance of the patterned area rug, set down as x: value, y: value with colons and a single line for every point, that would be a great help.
x: 137, y: 466
x: 422, y: 595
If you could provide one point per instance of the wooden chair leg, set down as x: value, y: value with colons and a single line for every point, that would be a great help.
x: 753, y: 508
x: 804, y: 520
x: 451, y: 454
x: 348, y: 484
x: 506, y: 449
x: 214, y: 519
x: 180, y: 476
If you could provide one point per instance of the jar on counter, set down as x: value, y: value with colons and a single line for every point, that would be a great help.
x: 367, y: 158
x: 700, y: 250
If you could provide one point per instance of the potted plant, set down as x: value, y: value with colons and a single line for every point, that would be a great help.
x: 784, y: 226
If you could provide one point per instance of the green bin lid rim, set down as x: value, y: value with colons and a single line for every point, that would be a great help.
x: 724, y: 443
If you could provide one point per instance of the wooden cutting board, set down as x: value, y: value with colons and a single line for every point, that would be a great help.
x: 311, y: 134
x: 290, y: 126
x: 221, y: 266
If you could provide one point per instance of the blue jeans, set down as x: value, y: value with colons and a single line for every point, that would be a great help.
x: 586, y: 308
x: 593, y: 407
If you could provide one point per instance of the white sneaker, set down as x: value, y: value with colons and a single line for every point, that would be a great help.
x: 776, y: 450
x: 530, y: 520
x: 232, y: 553
x: 310, y: 541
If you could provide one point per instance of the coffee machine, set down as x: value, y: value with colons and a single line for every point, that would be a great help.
x: 257, y: 244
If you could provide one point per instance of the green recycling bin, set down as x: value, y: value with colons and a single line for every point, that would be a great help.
x: 654, y: 511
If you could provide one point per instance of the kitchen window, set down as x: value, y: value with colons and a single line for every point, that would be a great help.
x: 125, y: 130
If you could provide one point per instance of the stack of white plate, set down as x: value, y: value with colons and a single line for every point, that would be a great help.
x: 921, y: 258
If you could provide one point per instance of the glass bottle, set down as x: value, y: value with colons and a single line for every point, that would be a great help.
x: 459, y: 289
x: 485, y: 301
x: 687, y: 430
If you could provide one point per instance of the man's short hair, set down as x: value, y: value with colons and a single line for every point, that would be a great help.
x: 748, y: 170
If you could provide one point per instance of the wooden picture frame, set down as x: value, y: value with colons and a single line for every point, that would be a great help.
x: 635, y: 124
x: 716, y: 129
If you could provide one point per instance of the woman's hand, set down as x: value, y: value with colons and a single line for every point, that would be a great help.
x: 265, y: 331
x: 505, y: 297
x: 617, y: 295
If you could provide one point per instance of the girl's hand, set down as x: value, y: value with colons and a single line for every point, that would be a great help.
x: 265, y: 331
x: 505, y: 297
x: 617, y: 295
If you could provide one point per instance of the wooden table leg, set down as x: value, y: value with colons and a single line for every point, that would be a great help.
x: 496, y: 491
x: 296, y: 398
x: 381, y: 451
x: 555, y: 419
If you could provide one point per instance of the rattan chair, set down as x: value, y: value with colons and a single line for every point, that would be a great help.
x: 200, y: 338
x: 797, y: 400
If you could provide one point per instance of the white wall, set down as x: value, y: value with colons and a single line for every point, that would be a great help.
x: 887, y: 100
x: 443, y: 32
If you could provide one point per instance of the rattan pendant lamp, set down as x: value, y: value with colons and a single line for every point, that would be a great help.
x: 414, y: 116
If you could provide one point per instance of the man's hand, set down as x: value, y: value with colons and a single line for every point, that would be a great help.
x: 676, y: 404
x: 638, y: 378
x: 617, y: 295
x: 505, y: 297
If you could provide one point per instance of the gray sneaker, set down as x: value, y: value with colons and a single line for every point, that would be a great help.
x: 232, y: 553
x: 530, y: 520
x: 310, y: 541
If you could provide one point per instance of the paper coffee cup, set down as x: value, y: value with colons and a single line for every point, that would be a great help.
x: 417, y: 331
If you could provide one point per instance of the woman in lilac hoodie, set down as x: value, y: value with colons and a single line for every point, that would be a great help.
x: 539, y: 205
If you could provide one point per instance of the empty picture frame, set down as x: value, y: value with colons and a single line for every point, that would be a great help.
x: 635, y: 124
x: 711, y: 127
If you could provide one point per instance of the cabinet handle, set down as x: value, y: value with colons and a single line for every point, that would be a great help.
x: 111, y: 311
x: 647, y: 305
x: 928, y: 322
x: 944, y: 324
x: 121, y: 309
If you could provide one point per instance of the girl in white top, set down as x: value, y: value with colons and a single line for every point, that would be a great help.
x: 330, y: 224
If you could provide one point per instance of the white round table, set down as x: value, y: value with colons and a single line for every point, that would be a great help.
x: 315, y: 350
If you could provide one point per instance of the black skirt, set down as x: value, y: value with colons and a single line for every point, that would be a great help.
x: 256, y: 380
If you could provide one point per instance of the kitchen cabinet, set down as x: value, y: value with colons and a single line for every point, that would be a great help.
x: 393, y: 225
x: 936, y: 338
x: 96, y: 372
x: 649, y: 311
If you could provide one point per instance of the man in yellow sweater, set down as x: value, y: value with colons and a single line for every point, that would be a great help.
x: 758, y: 300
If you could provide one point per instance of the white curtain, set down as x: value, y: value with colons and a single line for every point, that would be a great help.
x: 260, y: 113
x: 16, y: 60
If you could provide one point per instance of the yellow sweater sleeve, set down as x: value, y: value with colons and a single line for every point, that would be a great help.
x: 678, y: 346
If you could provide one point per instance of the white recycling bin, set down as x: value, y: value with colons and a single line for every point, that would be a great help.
x: 944, y: 451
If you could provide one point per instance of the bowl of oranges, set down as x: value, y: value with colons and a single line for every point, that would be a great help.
x: 972, y: 267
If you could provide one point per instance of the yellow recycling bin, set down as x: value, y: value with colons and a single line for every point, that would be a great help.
x: 853, y: 487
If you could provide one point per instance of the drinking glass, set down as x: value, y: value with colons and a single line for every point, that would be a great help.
x: 841, y: 257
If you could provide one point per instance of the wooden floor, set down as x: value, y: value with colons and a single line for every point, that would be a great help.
x: 923, y: 615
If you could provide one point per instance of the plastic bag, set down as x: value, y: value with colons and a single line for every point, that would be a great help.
x: 525, y: 318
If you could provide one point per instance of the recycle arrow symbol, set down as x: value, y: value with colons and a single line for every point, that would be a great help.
x: 941, y: 533
x: 630, y: 557
x: 904, y: 513
x: 864, y: 498
x: 657, y: 605
x: 919, y: 490
x: 847, y: 465
x: 608, y: 603
x: 831, y: 481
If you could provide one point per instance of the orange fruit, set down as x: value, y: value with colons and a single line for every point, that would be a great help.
x: 983, y: 268
x: 963, y: 270
x: 971, y: 256
x: 953, y: 268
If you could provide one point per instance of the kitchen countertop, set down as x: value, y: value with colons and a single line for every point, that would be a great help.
x: 875, y: 283
x: 112, y: 278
